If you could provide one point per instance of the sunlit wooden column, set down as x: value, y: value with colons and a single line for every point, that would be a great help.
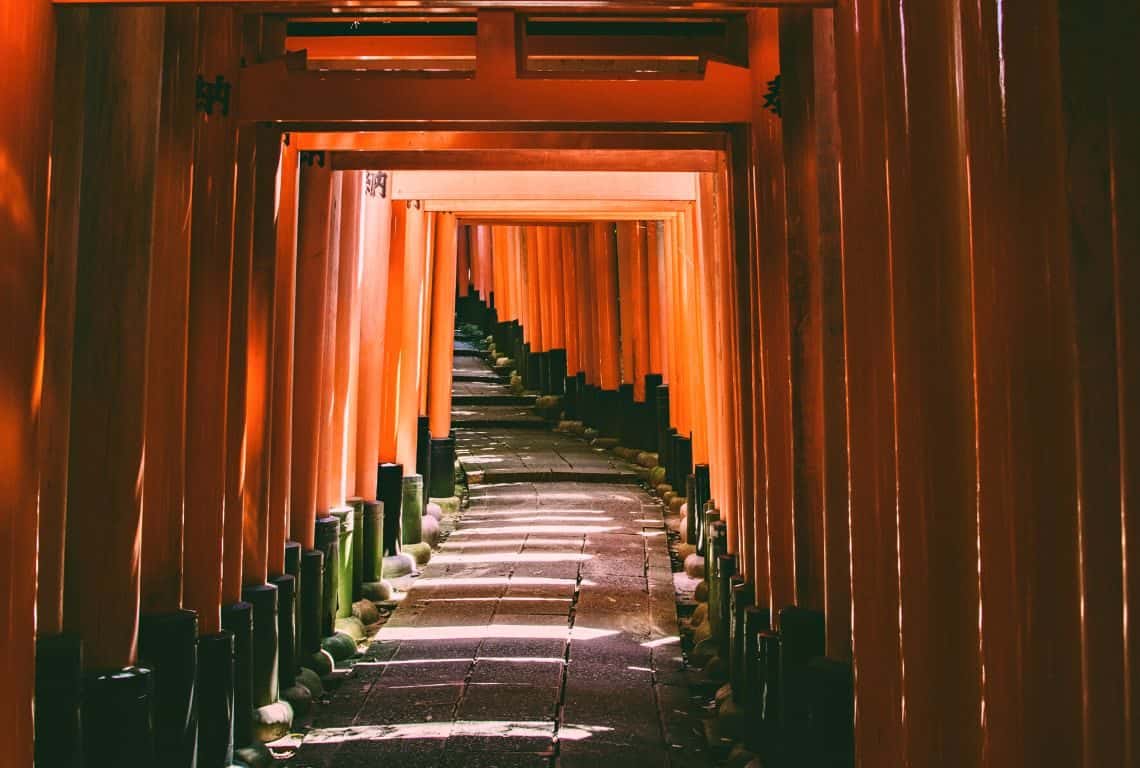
x: 58, y: 314
x: 1023, y: 342
x: 313, y: 224
x: 442, y: 327
x: 113, y: 269
x: 234, y: 518
x: 211, y: 266
x: 639, y: 274
x: 29, y: 39
x: 568, y: 302
x: 410, y: 335
x: 698, y: 345
x: 605, y: 304
x: 376, y: 220
x: 356, y: 308
x: 773, y: 298
x: 344, y: 346
x: 626, y: 248
x: 284, y: 300
x: 424, y: 347
x: 328, y: 473
x: 393, y: 334
x: 587, y: 327
x: 543, y: 308
x: 860, y: 55
x: 655, y: 297
x: 259, y: 359
x: 463, y: 270
x: 556, y: 277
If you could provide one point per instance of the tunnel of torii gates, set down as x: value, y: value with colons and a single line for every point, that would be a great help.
x: 878, y: 314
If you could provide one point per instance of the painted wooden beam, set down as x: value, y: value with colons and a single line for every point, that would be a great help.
x: 526, y: 185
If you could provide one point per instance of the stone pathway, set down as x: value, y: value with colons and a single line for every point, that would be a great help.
x: 542, y: 633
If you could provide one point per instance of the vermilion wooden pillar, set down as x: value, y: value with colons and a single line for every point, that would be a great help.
x: 933, y: 356
x: 569, y: 280
x: 805, y: 283
x: 316, y: 200
x: 410, y: 335
x: 556, y: 276
x: 773, y: 297
x: 1023, y: 346
x: 606, y: 309
x: 443, y: 327
x: 259, y: 360
x: 208, y: 351
x: 872, y: 481
x: 59, y: 317
x: 626, y: 263
x: 28, y: 36
x: 430, y: 220
x: 284, y: 300
x: 836, y: 521
x: 393, y: 335
x: 376, y: 221
x: 164, y: 475
x: 346, y: 335
x: 655, y: 298
x: 327, y: 471
x: 234, y: 517
x: 113, y: 275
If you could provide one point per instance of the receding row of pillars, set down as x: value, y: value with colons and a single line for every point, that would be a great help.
x: 227, y: 389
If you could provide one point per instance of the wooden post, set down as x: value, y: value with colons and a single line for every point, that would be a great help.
x: 284, y: 300
x: 410, y: 331
x: 393, y: 336
x: 29, y: 38
x: 211, y: 264
x: 443, y: 327
x: 59, y: 317
x: 377, y: 215
x: 113, y: 277
x: 259, y: 360
x: 327, y: 472
x: 316, y: 200
x: 164, y: 477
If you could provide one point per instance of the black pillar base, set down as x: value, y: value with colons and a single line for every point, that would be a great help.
x: 701, y: 495
x: 390, y: 489
x: 118, y: 716
x: 59, y: 699
x: 373, y: 540
x: 661, y: 427
x: 442, y: 468
x: 286, y: 629
x: 802, y: 638
x: 532, y: 378
x: 649, y: 414
x: 237, y: 619
x: 557, y: 371
x: 328, y: 542
x: 423, y: 451
x: 694, y: 519
x: 757, y: 619
x: 570, y: 401
x: 626, y: 416
x: 830, y: 692
x: 309, y: 627
x: 168, y: 644
x: 742, y: 598
x: 215, y: 700
x: 357, y: 505
x: 263, y: 598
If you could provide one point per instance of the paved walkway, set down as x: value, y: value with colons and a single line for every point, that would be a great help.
x: 542, y: 633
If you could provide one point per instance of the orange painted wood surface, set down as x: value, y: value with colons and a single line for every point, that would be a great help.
x: 393, y: 335
x: 112, y: 287
x: 327, y: 469
x: 442, y: 327
x: 211, y: 265
x: 29, y: 36
x: 58, y: 313
x: 315, y: 203
x: 284, y: 315
x: 415, y: 248
x: 259, y: 360
x: 377, y: 223
x: 164, y: 476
